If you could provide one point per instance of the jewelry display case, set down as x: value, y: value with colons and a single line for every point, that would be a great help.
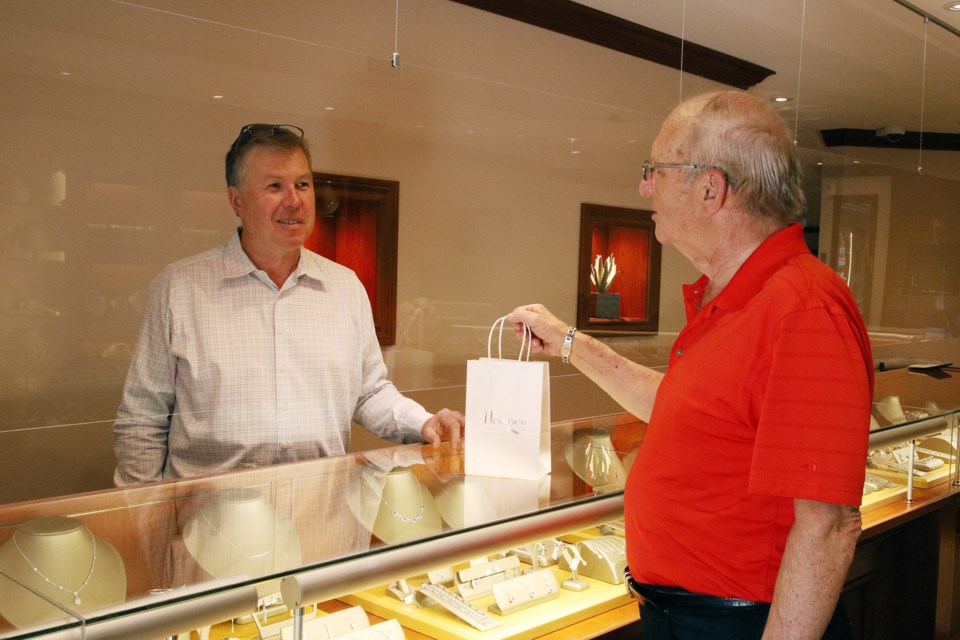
x: 395, y: 531
x: 913, y: 435
x: 399, y: 541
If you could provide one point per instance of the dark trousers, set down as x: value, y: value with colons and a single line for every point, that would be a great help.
x: 675, y: 614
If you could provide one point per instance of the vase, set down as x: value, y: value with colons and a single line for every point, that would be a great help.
x: 606, y: 305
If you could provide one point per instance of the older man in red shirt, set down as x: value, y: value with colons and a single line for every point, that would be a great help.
x: 742, y: 506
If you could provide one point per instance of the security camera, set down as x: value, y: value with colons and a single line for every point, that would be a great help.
x: 893, y: 132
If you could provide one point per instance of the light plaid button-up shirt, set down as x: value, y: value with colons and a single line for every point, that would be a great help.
x: 231, y: 372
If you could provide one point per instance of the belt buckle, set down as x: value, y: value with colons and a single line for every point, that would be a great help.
x: 631, y: 588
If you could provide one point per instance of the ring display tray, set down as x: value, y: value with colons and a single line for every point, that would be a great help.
x: 929, y: 479
x: 568, y: 608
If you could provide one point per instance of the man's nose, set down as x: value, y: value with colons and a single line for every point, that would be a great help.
x: 646, y: 188
x: 291, y: 197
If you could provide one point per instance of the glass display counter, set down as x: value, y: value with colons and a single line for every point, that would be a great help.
x: 913, y: 438
x: 396, y: 536
x: 164, y: 559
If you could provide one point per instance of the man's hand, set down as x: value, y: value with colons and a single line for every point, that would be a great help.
x: 548, y: 330
x: 443, y: 425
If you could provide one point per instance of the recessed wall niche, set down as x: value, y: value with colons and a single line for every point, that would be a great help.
x: 357, y: 224
x: 630, y: 301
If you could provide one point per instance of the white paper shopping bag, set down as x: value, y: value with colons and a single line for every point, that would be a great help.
x: 507, y: 414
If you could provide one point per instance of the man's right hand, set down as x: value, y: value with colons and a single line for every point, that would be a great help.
x: 548, y: 330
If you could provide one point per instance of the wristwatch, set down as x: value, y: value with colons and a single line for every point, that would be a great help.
x: 567, y: 345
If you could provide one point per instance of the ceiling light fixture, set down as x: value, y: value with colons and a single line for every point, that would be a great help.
x: 952, y: 6
x: 780, y: 99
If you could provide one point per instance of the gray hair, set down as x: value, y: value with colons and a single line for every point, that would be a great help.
x: 745, y: 137
x: 283, y: 138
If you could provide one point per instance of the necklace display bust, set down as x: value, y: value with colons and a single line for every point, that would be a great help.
x: 462, y: 503
x: 238, y: 532
x: 594, y: 459
x: 60, y: 559
x: 398, y: 505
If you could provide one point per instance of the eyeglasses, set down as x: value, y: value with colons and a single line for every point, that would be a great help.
x: 650, y: 167
x: 260, y: 130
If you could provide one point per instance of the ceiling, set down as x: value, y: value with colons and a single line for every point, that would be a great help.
x: 857, y: 64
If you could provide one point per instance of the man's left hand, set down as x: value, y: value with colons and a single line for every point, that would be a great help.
x: 444, y: 425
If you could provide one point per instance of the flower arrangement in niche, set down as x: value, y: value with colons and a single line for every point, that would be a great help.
x: 603, y: 272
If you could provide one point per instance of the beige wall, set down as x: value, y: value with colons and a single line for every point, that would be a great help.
x: 111, y: 166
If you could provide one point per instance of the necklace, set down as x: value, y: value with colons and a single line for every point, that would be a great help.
x: 229, y: 542
x: 76, y: 594
x: 399, y: 516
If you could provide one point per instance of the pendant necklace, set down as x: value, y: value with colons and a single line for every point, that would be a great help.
x: 229, y: 542
x: 76, y: 594
x: 399, y: 516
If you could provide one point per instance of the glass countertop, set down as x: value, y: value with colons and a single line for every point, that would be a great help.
x: 90, y: 557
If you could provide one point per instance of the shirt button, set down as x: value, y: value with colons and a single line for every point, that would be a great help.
x: 679, y: 352
x: 281, y: 331
x: 285, y: 445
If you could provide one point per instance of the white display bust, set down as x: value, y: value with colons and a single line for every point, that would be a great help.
x: 594, y: 459
x: 398, y: 505
x: 61, y: 559
x: 890, y: 408
x: 238, y: 532
x: 463, y: 503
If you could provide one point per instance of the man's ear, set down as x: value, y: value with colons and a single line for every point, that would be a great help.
x: 233, y: 195
x: 714, y: 188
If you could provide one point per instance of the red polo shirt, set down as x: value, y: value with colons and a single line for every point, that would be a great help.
x: 766, y: 399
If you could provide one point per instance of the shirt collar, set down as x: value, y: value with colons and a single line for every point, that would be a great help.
x: 237, y: 263
x: 772, y: 254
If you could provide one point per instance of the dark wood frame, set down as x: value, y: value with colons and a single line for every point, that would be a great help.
x: 385, y: 194
x: 591, y: 216
x: 610, y: 31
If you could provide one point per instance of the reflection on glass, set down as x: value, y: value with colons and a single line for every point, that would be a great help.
x: 238, y: 532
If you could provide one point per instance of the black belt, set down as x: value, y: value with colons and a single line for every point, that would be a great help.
x: 670, y: 597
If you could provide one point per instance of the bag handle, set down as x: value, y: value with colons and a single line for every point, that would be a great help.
x: 527, y: 339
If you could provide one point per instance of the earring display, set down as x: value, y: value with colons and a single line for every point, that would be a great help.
x: 496, y: 592
x: 57, y: 561
x: 347, y: 624
x: 540, y: 554
x: 444, y: 576
x: 525, y: 591
x: 604, y: 558
x: 479, y: 580
x: 573, y: 559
